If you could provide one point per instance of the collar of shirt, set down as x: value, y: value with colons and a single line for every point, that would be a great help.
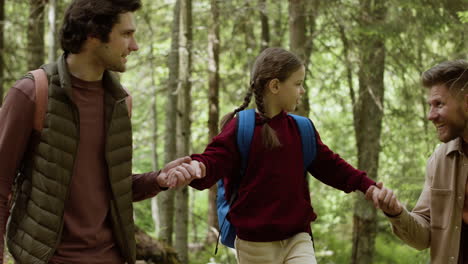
x: 454, y: 145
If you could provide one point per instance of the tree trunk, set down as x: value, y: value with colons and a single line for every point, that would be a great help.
x: 279, y: 29
x: 265, y: 27
x: 166, y: 199
x: 213, y: 109
x: 152, y: 251
x: 155, y: 159
x: 52, y: 34
x: 249, y: 35
x: 154, y: 115
x: 301, y: 41
x: 36, y: 34
x: 349, y: 69
x: 368, y: 113
x: 2, y: 47
x: 183, y: 124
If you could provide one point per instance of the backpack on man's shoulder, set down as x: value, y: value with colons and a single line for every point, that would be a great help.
x: 40, y: 106
x: 41, y: 84
x: 245, y: 131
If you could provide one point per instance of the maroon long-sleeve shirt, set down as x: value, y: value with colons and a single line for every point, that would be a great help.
x: 87, y: 235
x: 273, y: 199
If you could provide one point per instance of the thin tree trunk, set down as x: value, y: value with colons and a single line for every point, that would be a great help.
x: 248, y: 29
x: 183, y: 124
x: 265, y: 27
x: 301, y: 41
x: 155, y: 140
x: 368, y: 113
x: 213, y: 108
x: 193, y: 217
x: 278, y: 29
x: 36, y: 34
x: 52, y: 34
x: 349, y: 68
x: 166, y: 199
x: 2, y: 48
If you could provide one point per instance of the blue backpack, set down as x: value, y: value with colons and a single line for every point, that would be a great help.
x: 245, y: 131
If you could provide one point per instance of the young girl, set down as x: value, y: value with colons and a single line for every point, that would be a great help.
x: 273, y: 212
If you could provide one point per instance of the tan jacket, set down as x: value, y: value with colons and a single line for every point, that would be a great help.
x: 436, y: 219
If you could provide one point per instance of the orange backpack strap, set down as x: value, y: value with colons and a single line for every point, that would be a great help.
x: 42, y: 86
x: 128, y: 101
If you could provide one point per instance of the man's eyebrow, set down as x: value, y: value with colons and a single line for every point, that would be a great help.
x: 129, y: 30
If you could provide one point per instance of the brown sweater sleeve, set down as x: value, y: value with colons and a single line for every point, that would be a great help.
x: 16, y: 124
x: 145, y: 186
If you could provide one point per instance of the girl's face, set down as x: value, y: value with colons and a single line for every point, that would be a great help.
x: 291, y: 90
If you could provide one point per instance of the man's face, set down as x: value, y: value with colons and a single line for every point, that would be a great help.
x: 113, y: 54
x: 447, y: 113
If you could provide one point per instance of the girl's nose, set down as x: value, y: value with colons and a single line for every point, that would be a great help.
x: 302, y: 90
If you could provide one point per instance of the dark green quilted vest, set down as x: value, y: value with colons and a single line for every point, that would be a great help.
x: 42, y: 185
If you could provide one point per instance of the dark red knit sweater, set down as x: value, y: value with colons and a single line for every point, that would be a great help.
x: 274, y: 201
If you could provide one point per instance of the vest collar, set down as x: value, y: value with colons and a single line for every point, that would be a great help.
x: 110, y: 82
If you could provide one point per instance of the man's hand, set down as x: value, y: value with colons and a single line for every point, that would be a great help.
x: 385, y: 199
x: 372, y: 194
x: 185, y: 173
x: 163, y: 177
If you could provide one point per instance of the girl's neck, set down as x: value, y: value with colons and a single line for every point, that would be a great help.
x: 271, y: 110
x: 270, y: 107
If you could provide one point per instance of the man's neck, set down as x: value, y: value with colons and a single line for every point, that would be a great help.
x: 82, y: 67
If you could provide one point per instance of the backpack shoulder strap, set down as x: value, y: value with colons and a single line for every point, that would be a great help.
x: 42, y: 86
x: 307, y: 132
x: 244, y: 134
x: 245, y: 131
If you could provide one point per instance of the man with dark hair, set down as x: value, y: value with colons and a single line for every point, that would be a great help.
x: 439, y: 220
x: 69, y: 185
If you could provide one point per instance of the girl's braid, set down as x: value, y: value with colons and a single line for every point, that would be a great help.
x: 259, y: 103
x: 247, y: 99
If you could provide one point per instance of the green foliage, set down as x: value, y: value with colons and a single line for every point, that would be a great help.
x: 142, y: 220
x: 390, y: 250
x: 463, y: 16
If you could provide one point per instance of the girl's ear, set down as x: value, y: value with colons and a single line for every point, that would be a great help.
x: 273, y: 86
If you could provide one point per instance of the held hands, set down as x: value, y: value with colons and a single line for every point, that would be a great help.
x: 181, y: 172
x: 385, y: 199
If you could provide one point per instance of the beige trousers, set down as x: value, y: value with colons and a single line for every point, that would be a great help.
x: 295, y: 250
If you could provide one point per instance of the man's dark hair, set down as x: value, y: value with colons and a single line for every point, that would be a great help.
x: 452, y: 74
x: 95, y: 18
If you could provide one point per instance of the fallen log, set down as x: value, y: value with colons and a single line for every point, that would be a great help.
x: 152, y: 251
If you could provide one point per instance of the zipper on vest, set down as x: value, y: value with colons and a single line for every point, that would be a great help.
x: 76, y: 115
x: 114, y: 198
